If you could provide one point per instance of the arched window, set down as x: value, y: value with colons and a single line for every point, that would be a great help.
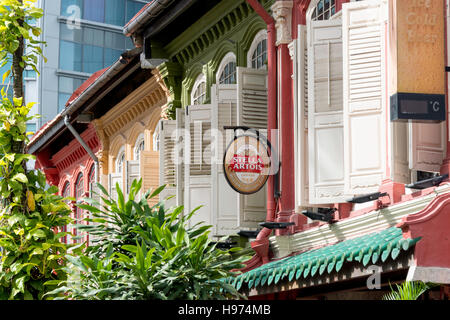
x: 120, y: 160
x: 226, y: 73
x: 139, y: 147
x: 198, y: 94
x: 257, y: 54
x: 91, y: 180
x: 65, y: 194
x: 324, y: 10
x: 79, y: 194
x: 66, y: 191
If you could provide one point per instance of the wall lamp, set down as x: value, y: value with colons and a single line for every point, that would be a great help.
x: 276, y: 225
x: 427, y: 183
x: 323, y: 214
x: 248, y: 233
x: 367, y: 197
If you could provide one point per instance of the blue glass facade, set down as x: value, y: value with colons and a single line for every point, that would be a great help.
x: 88, y: 47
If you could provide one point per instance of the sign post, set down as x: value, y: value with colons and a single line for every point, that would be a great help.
x: 247, y: 163
x: 417, y: 56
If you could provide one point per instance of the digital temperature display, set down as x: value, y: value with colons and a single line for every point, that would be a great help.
x: 414, y: 106
x: 418, y: 107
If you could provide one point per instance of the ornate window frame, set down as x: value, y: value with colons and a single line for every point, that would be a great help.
x: 259, y: 37
x: 139, y: 146
x: 227, y: 60
x: 120, y: 160
x: 198, y: 97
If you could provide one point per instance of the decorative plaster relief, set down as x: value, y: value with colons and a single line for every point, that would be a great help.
x: 282, y: 13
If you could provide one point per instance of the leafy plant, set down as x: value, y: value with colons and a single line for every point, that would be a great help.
x: 142, y: 252
x: 31, y: 214
x: 408, y: 290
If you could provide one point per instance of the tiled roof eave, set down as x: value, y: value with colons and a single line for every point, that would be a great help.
x: 374, y: 248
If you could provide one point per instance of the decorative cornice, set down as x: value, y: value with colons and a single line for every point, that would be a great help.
x: 282, y: 13
x: 148, y: 96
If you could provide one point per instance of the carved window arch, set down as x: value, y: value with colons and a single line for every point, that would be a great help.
x: 198, y: 94
x: 65, y: 194
x: 120, y: 160
x: 91, y: 180
x: 226, y: 73
x: 257, y: 54
x: 139, y: 146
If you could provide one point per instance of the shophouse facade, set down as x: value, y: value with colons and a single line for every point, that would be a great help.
x: 320, y: 79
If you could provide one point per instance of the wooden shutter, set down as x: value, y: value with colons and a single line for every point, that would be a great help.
x: 149, y: 168
x: 427, y: 146
x: 198, y: 163
x: 115, y: 178
x: 132, y: 173
x: 301, y: 83
x: 252, y: 113
x: 399, y: 164
x: 167, y: 168
x: 179, y: 156
x: 224, y: 199
x: 325, y: 113
x: 252, y: 98
x: 364, y: 96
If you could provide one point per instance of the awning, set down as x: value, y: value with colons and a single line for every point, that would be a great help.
x: 374, y: 247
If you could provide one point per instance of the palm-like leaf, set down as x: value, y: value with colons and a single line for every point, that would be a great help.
x: 409, y: 290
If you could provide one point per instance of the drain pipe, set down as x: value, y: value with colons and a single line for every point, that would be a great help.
x: 261, y: 244
x: 84, y: 145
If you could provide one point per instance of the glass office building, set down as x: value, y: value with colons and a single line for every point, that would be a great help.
x: 82, y: 36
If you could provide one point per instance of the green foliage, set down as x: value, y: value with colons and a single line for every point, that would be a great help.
x: 141, y: 252
x: 30, y: 214
x: 408, y: 290
x: 15, y: 23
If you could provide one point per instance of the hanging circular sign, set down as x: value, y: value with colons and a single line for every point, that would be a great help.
x: 247, y: 164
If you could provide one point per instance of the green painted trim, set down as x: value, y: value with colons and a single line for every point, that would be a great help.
x: 329, y: 259
x: 188, y: 82
x: 255, y: 25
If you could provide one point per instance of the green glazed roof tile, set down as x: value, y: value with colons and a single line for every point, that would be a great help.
x: 381, y: 245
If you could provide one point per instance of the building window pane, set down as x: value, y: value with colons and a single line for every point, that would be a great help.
x: 259, y: 58
x: 115, y: 12
x: 115, y: 40
x: 111, y: 56
x: 70, y: 34
x: 71, y: 8
x: 200, y: 94
x: 70, y: 56
x: 133, y: 7
x: 94, y: 10
x: 228, y: 75
x: 92, y: 59
x: 79, y: 194
x: 120, y: 162
x: 66, y: 87
x: 324, y: 10
x: 93, y: 36
x: 31, y: 127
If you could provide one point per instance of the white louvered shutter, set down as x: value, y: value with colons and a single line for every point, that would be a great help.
x: 167, y: 168
x: 115, y: 178
x: 399, y: 164
x: 198, y: 163
x: 252, y: 113
x: 427, y: 146
x: 364, y: 96
x: 132, y: 173
x: 325, y: 113
x: 179, y: 155
x: 224, y: 198
x: 301, y: 73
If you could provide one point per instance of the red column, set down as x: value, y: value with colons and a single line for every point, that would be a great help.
x: 286, y: 125
x: 445, y: 169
